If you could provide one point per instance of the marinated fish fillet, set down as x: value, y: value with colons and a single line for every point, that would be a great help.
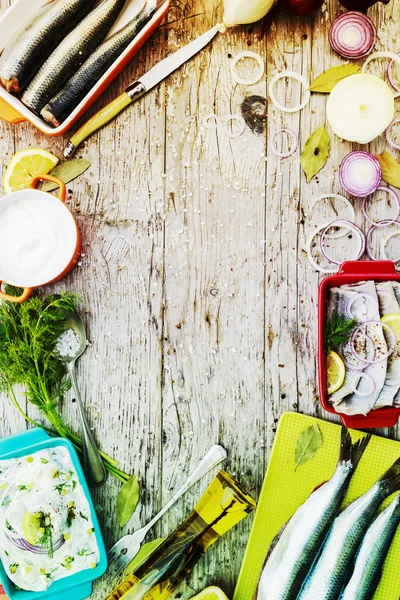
x: 362, y: 402
x: 80, y: 84
x: 396, y: 289
x: 332, y: 571
x: 33, y: 43
x: 66, y: 59
x: 389, y: 305
x: 372, y: 554
x: 294, y: 549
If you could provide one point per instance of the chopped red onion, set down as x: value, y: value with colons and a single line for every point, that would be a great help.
x: 392, y: 193
x: 352, y: 35
x: 369, y: 361
x: 295, y: 140
x: 360, y: 173
x: 388, y: 138
x: 351, y: 226
x: 367, y: 296
x: 370, y: 391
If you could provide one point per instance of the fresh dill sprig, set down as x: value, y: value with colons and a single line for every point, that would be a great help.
x: 46, y: 541
x: 337, y: 331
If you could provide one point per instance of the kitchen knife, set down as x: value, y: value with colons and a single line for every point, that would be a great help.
x: 138, y: 88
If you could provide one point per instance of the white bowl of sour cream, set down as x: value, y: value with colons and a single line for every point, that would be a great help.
x: 40, y: 241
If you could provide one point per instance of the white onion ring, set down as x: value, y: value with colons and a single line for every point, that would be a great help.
x: 370, y: 391
x: 382, y: 188
x: 207, y: 119
x: 247, y: 54
x: 367, y: 361
x: 366, y: 296
x: 334, y: 236
x: 352, y: 227
x: 384, y: 244
x: 290, y: 152
x: 299, y: 78
x: 388, y: 139
x: 383, y: 54
x: 316, y: 266
x: 242, y: 122
x: 383, y: 223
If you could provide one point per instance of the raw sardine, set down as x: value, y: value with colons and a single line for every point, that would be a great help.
x: 388, y: 306
x: 332, y: 571
x: 70, y: 54
x: 372, y: 553
x: 339, y: 300
x: 294, y: 550
x: 33, y: 43
x: 80, y: 84
x: 361, y: 402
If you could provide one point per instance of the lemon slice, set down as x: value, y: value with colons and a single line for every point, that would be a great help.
x: 26, y: 164
x: 211, y: 593
x: 335, y: 371
x: 31, y: 528
x: 393, y: 321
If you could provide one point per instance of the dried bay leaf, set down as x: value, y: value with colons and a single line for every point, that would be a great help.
x: 390, y: 168
x: 316, y: 152
x: 66, y: 171
x: 127, y: 500
x: 308, y: 442
x: 325, y: 82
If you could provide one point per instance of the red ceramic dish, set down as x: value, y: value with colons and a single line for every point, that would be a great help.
x: 352, y: 272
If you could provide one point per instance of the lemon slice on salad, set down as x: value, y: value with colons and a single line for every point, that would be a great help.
x: 211, y: 593
x: 31, y: 528
x: 393, y: 321
x: 335, y: 372
x: 24, y: 165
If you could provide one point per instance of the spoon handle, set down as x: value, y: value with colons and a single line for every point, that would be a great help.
x: 93, y: 465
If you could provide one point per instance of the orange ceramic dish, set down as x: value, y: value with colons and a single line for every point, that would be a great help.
x: 60, y: 259
x: 12, y: 109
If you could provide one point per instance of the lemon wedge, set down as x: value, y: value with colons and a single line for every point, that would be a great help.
x: 24, y: 165
x: 335, y: 372
x: 31, y: 528
x: 393, y: 321
x: 211, y: 593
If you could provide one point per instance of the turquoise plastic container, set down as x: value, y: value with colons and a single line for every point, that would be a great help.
x: 80, y: 585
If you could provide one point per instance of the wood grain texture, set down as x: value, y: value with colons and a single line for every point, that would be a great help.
x: 200, y: 305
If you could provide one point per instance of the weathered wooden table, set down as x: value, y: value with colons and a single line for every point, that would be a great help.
x: 200, y: 304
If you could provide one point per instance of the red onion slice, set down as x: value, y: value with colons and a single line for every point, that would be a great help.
x: 352, y: 227
x: 371, y: 352
x: 370, y: 391
x: 392, y: 193
x: 334, y: 236
x: 373, y: 301
x: 383, y: 223
x: 295, y: 140
x: 388, y: 138
x: 360, y: 173
x: 384, y: 244
x: 369, y: 361
x: 383, y: 54
x: 390, y: 75
x: 352, y: 35
x: 24, y: 545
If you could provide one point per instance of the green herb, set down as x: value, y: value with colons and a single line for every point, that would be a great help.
x: 82, y: 516
x: 390, y: 168
x: 337, y: 331
x: 308, y: 442
x: 67, y: 171
x: 8, y: 526
x: 44, y: 461
x: 46, y: 541
x: 325, y: 82
x: 127, y: 500
x: 22, y: 488
x: 84, y: 552
x: 316, y: 152
x: 28, y: 335
x: 13, y: 568
x: 70, y: 515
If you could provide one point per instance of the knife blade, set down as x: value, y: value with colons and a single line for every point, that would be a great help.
x: 140, y: 87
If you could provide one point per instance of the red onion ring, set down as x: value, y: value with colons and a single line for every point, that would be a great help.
x: 388, y: 138
x: 369, y: 232
x: 370, y: 391
x: 334, y: 236
x: 24, y: 545
x: 390, y: 75
x: 371, y: 354
x: 382, y: 188
x: 290, y: 152
x: 374, y: 361
x: 362, y: 36
x: 383, y: 246
x: 359, y: 159
x: 366, y: 296
x: 351, y: 226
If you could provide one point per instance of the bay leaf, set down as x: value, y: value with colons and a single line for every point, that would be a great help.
x: 66, y: 171
x: 127, y: 500
x: 325, y: 82
x: 142, y: 555
x: 316, y: 152
x: 390, y: 168
x: 308, y: 442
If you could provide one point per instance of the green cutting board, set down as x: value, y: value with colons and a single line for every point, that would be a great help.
x: 285, y: 489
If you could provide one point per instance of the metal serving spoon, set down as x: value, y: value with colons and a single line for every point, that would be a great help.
x: 95, y: 471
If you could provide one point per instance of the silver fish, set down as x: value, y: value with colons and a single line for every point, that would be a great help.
x: 372, y: 553
x: 332, y: 570
x: 33, y: 43
x: 70, y: 54
x: 389, y: 305
x: 396, y: 289
x: 80, y: 84
x: 293, y: 551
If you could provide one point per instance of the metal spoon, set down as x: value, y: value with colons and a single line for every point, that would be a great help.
x: 95, y: 471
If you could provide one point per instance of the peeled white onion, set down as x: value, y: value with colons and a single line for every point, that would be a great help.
x: 242, y: 12
x: 360, y: 108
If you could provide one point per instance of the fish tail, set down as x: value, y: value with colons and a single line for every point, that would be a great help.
x: 391, y: 478
x: 350, y: 451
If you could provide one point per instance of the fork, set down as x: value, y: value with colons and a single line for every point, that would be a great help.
x: 125, y: 550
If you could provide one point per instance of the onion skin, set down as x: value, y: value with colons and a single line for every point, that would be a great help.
x: 360, y: 4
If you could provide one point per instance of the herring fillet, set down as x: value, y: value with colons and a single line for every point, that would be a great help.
x: 389, y: 305
x: 332, y: 571
x: 293, y: 551
x: 70, y: 54
x: 67, y: 99
x: 338, y: 301
x: 33, y: 43
x: 372, y: 554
